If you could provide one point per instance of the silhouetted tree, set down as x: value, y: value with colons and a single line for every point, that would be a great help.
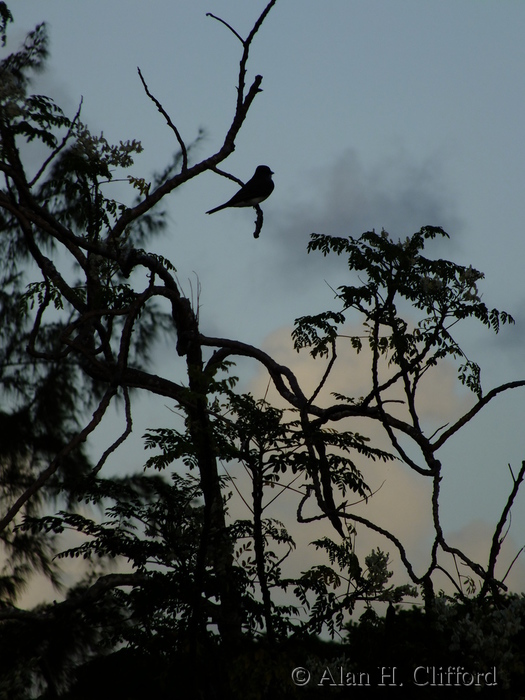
x: 202, y: 599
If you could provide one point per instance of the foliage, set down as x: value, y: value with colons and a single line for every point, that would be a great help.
x: 396, y: 273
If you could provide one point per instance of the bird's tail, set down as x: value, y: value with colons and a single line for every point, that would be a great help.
x: 212, y: 211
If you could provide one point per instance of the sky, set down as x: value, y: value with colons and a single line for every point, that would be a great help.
x: 374, y: 114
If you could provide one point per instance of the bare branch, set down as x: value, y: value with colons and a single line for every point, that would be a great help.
x: 451, y: 578
x: 389, y: 536
x: 227, y: 175
x: 325, y: 375
x: 512, y: 564
x: 210, y: 14
x: 246, y: 49
x: 120, y: 439
x: 242, y: 107
x: 57, y: 462
x: 497, y: 539
x: 209, y: 163
x: 170, y: 123
x: 292, y: 393
x: 476, y: 409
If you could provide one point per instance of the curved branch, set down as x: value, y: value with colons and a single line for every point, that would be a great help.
x: 170, y: 123
x: 474, y: 410
x: 219, y: 19
x: 326, y: 374
x: 389, y: 536
x: 292, y: 393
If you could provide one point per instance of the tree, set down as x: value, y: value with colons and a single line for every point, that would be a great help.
x: 83, y: 302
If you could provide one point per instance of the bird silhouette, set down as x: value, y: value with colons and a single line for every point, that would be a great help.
x: 253, y: 192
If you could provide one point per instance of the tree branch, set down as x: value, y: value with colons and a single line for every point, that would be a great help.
x: 59, y: 148
x: 170, y: 123
x: 474, y: 410
x: 78, y: 600
x: 56, y: 463
x: 497, y: 539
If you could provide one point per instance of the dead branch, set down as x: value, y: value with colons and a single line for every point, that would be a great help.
x: 497, y: 539
x: 167, y: 117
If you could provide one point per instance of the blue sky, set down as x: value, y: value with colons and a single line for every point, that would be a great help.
x: 373, y: 114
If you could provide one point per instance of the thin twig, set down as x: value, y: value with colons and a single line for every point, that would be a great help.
x: 77, y: 440
x: 401, y: 550
x: 121, y: 438
x: 476, y: 409
x: 57, y: 150
x: 325, y: 375
x: 210, y: 14
x: 512, y: 563
x: 170, y: 123
x: 283, y: 487
x: 238, y: 491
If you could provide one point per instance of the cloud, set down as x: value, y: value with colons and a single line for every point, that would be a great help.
x: 440, y: 399
x: 402, y: 500
x: 349, y: 197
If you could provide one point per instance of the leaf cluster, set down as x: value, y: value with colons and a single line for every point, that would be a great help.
x: 398, y: 280
x: 338, y: 587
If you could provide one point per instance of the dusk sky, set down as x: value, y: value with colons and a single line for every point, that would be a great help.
x: 374, y: 114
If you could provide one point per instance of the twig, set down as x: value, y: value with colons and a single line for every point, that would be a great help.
x: 170, y: 123
x: 246, y: 50
x: 231, y: 177
x: 497, y: 539
x: 451, y: 578
x: 238, y: 491
x: 121, y: 438
x: 376, y: 528
x: 475, y: 409
x: 258, y: 221
x: 58, y: 148
x: 56, y: 463
x: 385, y: 420
x: 283, y: 487
x: 210, y: 14
x: 325, y: 375
x: 512, y: 563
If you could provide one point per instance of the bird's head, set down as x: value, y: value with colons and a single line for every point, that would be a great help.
x: 263, y: 170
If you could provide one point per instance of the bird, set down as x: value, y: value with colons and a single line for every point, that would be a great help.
x: 253, y: 192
